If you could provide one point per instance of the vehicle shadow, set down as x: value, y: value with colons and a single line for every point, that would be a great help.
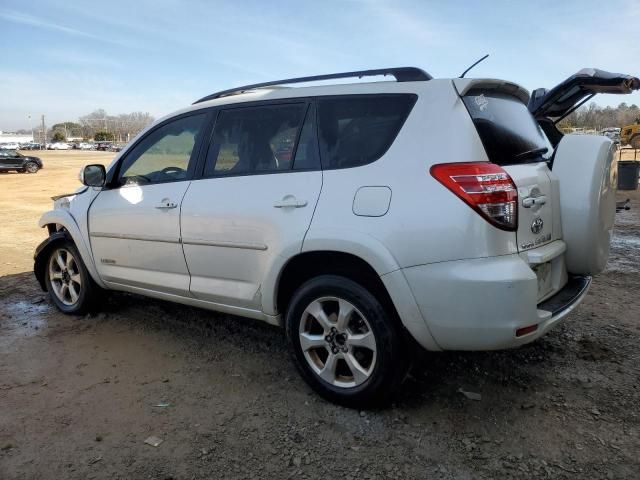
x: 435, y: 378
x: 439, y: 377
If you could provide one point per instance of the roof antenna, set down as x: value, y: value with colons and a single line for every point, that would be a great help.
x: 467, y: 70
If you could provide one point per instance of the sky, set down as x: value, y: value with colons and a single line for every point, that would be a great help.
x: 67, y: 58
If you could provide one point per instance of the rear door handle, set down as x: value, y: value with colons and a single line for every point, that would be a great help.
x: 289, y: 201
x: 531, y: 201
x: 166, y: 204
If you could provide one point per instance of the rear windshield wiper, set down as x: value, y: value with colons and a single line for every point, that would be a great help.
x: 536, y: 152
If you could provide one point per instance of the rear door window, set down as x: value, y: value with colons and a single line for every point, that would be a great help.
x: 307, y: 154
x: 251, y: 140
x: 508, y: 131
x: 356, y: 130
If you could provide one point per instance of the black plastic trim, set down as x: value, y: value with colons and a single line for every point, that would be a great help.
x: 565, y: 298
x: 39, y: 257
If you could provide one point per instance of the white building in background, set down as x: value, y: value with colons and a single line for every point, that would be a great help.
x: 8, y: 137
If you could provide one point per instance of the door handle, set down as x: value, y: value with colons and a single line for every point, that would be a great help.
x: 290, y: 201
x: 531, y: 201
x: 166, y: 204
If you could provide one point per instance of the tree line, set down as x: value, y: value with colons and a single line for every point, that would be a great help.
x: 596, y: 117
x: 97, y: 125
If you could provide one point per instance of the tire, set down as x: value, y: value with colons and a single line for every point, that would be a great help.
x: 330, y: 341
x: 31, y: 167
x: 635, y: 141
x: 68, y: 282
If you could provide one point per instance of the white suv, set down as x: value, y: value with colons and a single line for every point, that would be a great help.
x: 361, y: 217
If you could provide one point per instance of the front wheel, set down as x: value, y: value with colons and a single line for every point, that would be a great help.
x: 70, y: 286
x: 345, y: 344
x: 31, y: 167
x: 635, y: 141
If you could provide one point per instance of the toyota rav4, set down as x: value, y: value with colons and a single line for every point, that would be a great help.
x: 361, y: 217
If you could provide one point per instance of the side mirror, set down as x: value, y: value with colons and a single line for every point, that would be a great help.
x: 93, y: 175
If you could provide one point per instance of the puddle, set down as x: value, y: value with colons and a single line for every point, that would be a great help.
x: 625, y: 253
x: 26, y: 318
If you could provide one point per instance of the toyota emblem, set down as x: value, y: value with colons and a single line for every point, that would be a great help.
x: 536, y: 226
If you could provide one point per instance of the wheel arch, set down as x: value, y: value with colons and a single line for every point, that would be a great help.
x: 391, y: 289
x: 309, y: 264
x: 42, y: 251
x: 58, y: 221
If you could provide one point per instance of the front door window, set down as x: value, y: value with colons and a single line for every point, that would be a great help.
x: 165, y: 155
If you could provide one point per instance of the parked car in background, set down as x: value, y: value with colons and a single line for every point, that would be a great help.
x: 612, y: 133
x: 116, y: 147
x: 59, y: 146
x: 85, y: 146
x: 14, y: 160
x: 10, y: 146
x: 30, y: 146
x: 103, y: 146
x: 364, y: 218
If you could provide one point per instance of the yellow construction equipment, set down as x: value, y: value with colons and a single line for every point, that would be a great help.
x: 630, y: 135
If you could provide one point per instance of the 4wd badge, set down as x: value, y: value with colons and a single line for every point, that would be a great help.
x: 536, y: 226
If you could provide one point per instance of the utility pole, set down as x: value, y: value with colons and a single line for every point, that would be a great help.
x: 44, y: 135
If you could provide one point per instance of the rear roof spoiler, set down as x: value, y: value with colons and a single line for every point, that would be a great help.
x: 465, y: 85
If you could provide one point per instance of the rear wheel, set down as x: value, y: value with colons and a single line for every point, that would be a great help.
x: 345, y: 344
x: 70, y: 286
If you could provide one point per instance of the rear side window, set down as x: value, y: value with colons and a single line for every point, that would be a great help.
x: 252, y: 140
x: 508, y: 131
x: 358, y: 130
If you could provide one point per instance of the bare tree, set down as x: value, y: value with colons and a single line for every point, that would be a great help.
x: 596, y: 117
x: 123, y: 126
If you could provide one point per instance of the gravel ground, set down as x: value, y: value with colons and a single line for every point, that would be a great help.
x: 79, y: 395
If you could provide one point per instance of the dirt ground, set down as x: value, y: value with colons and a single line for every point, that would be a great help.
x: 79, y: 395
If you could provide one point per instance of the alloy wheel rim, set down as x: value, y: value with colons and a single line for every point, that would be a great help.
x: 337, y: 342
x: 64, y: 276
x: 32, y: 168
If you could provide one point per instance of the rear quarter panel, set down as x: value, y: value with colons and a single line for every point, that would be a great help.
x: 425, y: 223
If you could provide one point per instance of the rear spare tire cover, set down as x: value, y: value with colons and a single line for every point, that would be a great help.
x: 588, y: 178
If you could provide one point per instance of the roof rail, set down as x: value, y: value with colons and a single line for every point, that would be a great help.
x: 401, y: 74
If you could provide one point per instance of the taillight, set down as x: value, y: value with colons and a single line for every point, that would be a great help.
x: 485, y: 187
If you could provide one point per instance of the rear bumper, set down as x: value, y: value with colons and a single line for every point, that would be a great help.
x: 480, y: 304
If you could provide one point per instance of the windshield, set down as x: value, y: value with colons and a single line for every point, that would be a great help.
x: 508, y: 131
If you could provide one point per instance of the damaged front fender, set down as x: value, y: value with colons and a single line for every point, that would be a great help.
x: 65, y: 223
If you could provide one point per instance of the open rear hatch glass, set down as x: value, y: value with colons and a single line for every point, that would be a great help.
x: 578, y: 88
